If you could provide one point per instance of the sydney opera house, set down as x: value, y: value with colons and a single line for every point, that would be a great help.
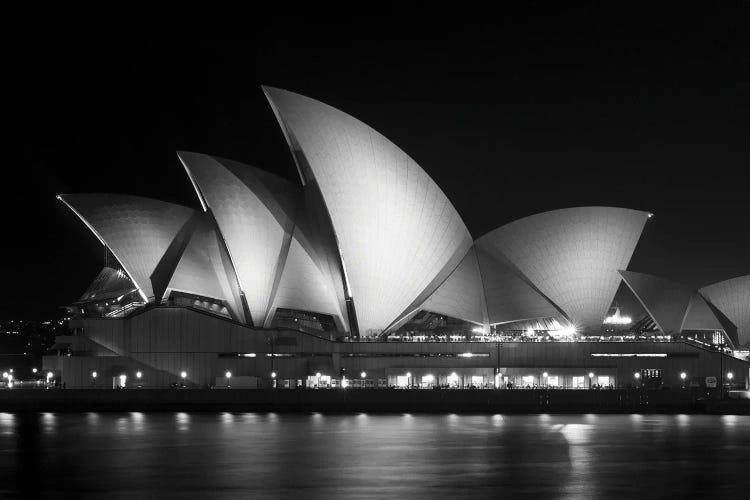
x: 363, y: 274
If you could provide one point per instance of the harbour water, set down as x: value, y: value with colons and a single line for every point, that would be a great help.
x: 267, y: 455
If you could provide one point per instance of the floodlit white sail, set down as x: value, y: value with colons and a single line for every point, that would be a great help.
x: 572, y: 256
x: 399, y: 236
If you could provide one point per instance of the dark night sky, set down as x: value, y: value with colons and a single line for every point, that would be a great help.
x: 535, y: 110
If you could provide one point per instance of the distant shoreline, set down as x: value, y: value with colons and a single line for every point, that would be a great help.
x: 533, y: 401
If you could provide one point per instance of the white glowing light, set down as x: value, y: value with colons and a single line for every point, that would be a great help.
x: 616, y: 319
x: 591, y: 374
x: 228, y: 374
x: 93, y: 374
x: 273, y: 375
x: 183, y: 374
x: 138, y: 374
x: 466, y: 355
x: 730, y: 375
x: 637, y: 375
x: 683, y: 375
x: 363, y: 374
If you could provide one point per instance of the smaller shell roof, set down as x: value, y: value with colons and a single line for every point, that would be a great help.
x: 109, y: 283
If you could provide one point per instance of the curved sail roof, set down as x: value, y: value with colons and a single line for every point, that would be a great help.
x: 732, y: 298
x: 509, y: 298
x: 461, y: 295
x: 109, y: 283
x: 398, y: 234
x: 572, y: 256
x: 204, y: 269
x: 255, y: 213
x: 138, y: 231
x: 303, y: 287
x: 666, y: 301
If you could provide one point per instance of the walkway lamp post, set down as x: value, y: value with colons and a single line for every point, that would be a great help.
x: 591, y: 379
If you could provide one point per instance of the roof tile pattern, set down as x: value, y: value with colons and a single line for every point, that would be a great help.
x: 396, y: 229
x: 256, y: 218
x: 137, y: 230
x: 732, y: 297
x: 461, y: 295
x: 572, y: 256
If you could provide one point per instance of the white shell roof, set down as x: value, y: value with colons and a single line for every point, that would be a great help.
x: 396, y: 229
x: 138, y: 231
x: 509, y: 298
x: 203, y: 270
x: 699, y: 316
x: 255, y: 213
x: 732, y: 298
x: 572, y: 256
x: 303, y: 287
x: 461, y: 295
x: 665, y: 301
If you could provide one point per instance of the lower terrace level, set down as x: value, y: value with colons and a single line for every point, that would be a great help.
x: 174, y: 346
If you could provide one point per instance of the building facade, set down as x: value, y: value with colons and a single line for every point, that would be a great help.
x: 365, y: 272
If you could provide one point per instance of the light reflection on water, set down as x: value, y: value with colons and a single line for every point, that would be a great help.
x: 364, y: 456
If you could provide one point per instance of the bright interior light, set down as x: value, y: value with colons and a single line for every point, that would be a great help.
x: 428, y: 379
x: 50, y: 375
x: 408, y: 374
x: 545, y: 374
x: 317, y: 374
x: 617, y: 319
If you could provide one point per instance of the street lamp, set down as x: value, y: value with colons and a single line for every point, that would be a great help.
x: 138, y: 375
x: 183, y: 375
x: 93, y: 374
x: 730, y: 376
x: 363, y: 374
x: 33, y: 370
x: 683, y: 375
x: 228, y: 375
x: 273, y: 375
x: 408, y: 380
x: 591, y: 379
